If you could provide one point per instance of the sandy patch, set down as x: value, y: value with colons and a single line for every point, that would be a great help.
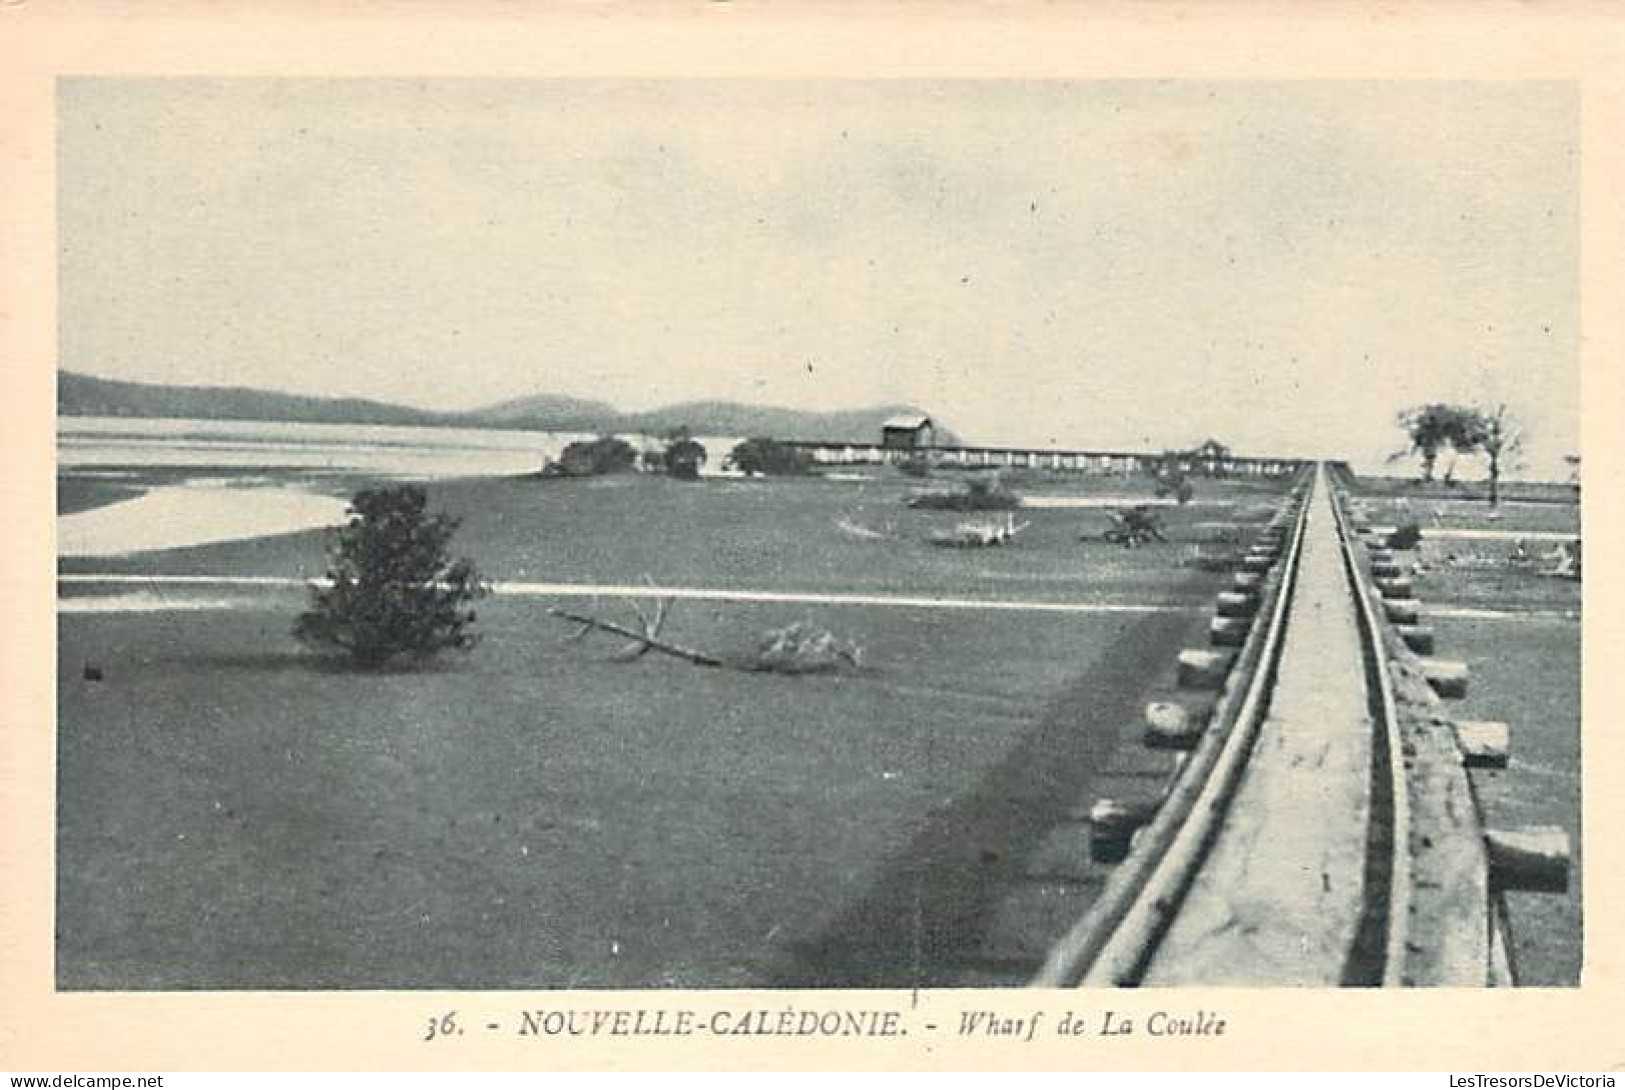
x: 178, y: 517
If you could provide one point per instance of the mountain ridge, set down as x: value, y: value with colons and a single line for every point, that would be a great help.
x: 80, y: 394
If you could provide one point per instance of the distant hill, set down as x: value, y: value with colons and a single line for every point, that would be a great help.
x: 555, y: 412
x: 733, y: 418
x: 86, y: 395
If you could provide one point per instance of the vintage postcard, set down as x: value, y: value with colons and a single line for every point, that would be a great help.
x: 1017, y: 538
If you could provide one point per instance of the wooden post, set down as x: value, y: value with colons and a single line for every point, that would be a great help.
x: 1174, y: 726
x: 1204, y: 670
x: 1404, y: 611
x: 1398, y: 587
x: 1533, y: 859
x: 1484, y: 743
x: 1228, y: 631
x: 1416, y: 637
x: 1448, y: 678
x: 1112, y: 826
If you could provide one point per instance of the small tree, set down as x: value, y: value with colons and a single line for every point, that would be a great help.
x: 1493, y: 433
x: 1407, y: 535
x: 978, y: 494
x: 593, y: 457
x: 1133, y: 526
x: 394, y: 588
x: 684, y: 455
x: 1172, y: 479
x: 761, y: 455
x: 1432, y: 429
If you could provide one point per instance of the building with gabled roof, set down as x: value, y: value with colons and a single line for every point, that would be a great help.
x: 907, y: 431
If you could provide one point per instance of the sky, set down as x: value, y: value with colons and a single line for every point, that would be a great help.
x: 1283, y: 266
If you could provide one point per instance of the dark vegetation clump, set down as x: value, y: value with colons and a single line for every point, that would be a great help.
x: 977, y: 495
x: 395, y: 590
x: 1462, y: 431
x: 1172, y: 479
x: 761, y: 456
x: 684, y: 458
x: 804, y: 648
x: 593, y: 458
x: 1135, y: 526
x: 1405, y: 536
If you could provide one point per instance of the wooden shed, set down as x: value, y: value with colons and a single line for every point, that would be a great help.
x: 907, y: 431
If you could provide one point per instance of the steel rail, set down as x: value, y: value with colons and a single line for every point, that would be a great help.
x: 1114, y: 939
x: 1429, y: 907
x: 1115, y: 942
x: 1399, y: 808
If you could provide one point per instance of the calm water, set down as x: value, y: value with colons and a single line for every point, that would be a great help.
x: 109, y: 443
x: 211, y: 492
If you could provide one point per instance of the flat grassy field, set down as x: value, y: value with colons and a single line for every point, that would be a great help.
x: 1555, y: 492
x: 236, y: 814
x: 795, y: 535
x: 1519, y: 632
x: 1480, y: 583
x: 1525, y: 672
x: 1475, y: 571
x: 1512, y: 517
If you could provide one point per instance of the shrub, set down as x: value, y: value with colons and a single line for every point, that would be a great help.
x: 684, y: 458
x: 1172, y: 480
x: 804, y: 648
x: 592, y: 458
x: 768, y: 457
x: 1405, y: 536
x: 394, y: 588
x: 1138, y: 525
x: 977, y: 495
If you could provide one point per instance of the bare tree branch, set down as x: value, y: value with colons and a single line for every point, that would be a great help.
x: 644, y: 640
x: 662, y: 609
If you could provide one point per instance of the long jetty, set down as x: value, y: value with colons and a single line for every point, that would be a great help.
x: 1099, y: 462
x: 1321, y: 828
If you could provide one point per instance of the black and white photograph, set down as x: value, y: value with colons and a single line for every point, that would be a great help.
x: 903, y: 534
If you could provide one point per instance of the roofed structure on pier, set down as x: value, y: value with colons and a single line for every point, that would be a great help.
x: 907, y: 431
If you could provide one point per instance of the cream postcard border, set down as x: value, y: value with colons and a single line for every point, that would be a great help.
x: 43, y: 1031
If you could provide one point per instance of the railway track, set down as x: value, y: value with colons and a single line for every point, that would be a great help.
x: 1320, y: 827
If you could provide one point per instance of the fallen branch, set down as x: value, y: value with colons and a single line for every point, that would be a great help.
x: 801, y: 648
x: 643, y: 641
